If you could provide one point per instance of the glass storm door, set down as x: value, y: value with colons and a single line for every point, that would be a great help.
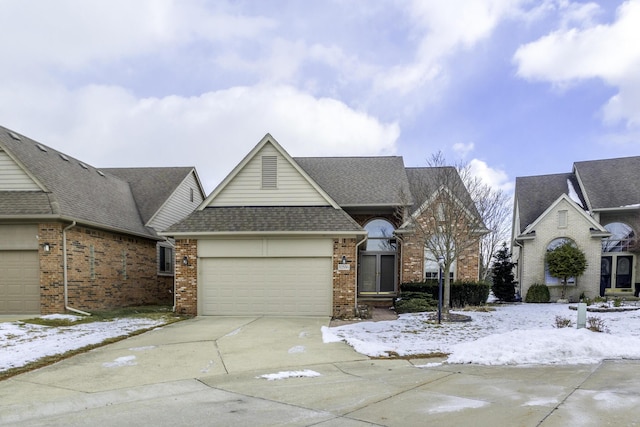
x: 605, y: 274
x: 377, y: 273
x: 623, y: 271
x: 615, y: 272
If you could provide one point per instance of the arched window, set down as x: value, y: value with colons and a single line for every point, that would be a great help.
x: 381, y: 237
x: 621, y: 240
x: 548, y: 278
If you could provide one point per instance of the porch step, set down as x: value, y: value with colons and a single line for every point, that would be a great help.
x: 385, y: 301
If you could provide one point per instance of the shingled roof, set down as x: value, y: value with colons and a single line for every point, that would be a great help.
x: 534, y: 194
x: 610, y: 183
x: 425, y: 181
x: 151, y: 187
x: 304, y: 219
x: 360, y: 181
x: 73, y: 189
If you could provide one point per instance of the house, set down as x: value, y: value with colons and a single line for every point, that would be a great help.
x: 301, y: 236
x: 76, y: 237
x: 597, y: 208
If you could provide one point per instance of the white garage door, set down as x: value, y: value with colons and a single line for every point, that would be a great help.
x: 266, y: 286
x: 19, y: 282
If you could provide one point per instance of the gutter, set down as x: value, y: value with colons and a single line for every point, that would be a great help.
x: 64, y: 271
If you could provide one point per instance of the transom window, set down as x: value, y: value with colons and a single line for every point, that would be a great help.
x: 381, y: 237
x: 621, y: 240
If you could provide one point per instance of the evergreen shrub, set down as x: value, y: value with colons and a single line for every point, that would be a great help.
x: 538, y: 293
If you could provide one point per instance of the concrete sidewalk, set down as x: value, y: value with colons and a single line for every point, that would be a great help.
x: 208, y: 371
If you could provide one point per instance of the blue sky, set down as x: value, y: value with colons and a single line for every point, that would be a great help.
x: 514, y: 87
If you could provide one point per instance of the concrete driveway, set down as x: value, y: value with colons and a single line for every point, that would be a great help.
x: 207, y: 371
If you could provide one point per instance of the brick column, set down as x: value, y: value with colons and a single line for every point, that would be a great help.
x: 51, y: 268
x: 186, y: 277
x: 412, y: 259
x: 344, y: 281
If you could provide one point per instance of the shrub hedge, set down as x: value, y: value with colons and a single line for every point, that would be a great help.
x: 462, y: 293
x: 415, y: 304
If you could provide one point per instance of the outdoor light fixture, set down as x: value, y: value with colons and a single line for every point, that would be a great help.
x: 46, y: 247
x: 344, y: 259
x: 185, y: 260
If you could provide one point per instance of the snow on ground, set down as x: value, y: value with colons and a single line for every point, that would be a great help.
x: 512, y: 335
x: 22, y: 343
x: 290, y: 374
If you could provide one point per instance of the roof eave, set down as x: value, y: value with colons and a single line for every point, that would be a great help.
x: 618, y: 209
x: 260, y: 233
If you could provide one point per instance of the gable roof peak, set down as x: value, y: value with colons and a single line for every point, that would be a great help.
x: 267, y: 139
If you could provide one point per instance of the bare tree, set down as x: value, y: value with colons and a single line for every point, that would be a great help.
x: 494, y: 208
x: 445, y: 218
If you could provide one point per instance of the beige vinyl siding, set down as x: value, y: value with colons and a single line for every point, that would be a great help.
x: 246, y: 189
x: 179, y: 204
x: 12, y: 177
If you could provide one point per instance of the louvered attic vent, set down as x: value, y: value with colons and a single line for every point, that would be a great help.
x: 269, y: 172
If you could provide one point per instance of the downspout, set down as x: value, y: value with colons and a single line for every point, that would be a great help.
x: 64, y: 271
x: 519, y: 267
x: 175, y: 298
x: 356, y: 275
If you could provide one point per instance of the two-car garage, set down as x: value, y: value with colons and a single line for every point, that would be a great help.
x: 265, y: 276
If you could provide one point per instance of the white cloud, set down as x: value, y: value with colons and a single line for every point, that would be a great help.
x: 495, y: 178
x: 463, y: 149
x: 442, y: 29
x: 75, y: 33
x: 108, y: 126
x: 607, y: 52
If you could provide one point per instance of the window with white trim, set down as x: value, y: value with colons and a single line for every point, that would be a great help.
x: 165, y: 259
x: 563, y: 219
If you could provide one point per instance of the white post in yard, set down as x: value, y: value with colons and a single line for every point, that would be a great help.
x: 582, y: 315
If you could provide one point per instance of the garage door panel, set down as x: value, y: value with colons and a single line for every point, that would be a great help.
x: 266, y: 286
x: 19, y: 282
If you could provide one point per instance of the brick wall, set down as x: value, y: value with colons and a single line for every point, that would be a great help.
x: 467, y: 262
x: 51, y: 276
x: 104, y: 270
x: 344, y: 281
x: 186, y: 278
x: 412, y: 264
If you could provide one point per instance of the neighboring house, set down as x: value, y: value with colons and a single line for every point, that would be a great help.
x: 300, y: 236
x: 597, y: 208
x: 80, y: 238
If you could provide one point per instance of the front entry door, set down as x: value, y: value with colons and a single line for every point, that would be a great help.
x: 615, y: 272
x: 377, y: 273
